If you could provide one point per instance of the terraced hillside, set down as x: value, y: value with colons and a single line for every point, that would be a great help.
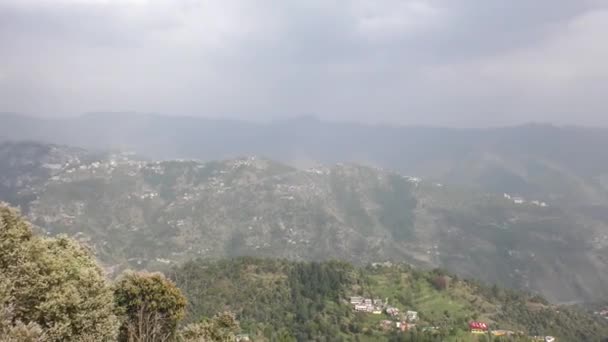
x: 149, y: 214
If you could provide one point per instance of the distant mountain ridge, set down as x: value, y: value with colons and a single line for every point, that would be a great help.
x: 149, y: 214
x: 568, y: 165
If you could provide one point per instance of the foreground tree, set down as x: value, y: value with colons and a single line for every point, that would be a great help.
x: 150, y: 305
x: 55, y: 284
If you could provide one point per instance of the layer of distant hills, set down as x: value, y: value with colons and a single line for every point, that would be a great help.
x: 566, y: 165
x: 140, y: 212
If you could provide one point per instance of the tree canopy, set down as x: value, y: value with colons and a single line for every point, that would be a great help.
x: 54, y: 283
x: 150, y: 304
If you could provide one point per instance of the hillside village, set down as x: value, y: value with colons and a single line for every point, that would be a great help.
x: 402, y: 321
x: 406, y: 321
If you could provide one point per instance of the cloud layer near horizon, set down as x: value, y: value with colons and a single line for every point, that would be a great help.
x: 450, y: 62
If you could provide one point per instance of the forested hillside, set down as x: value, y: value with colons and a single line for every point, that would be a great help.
x: 149, y: 214
x: 53, y: 290
x: 281, y: 300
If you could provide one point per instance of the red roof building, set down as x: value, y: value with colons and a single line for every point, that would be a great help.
x: 478, y: 326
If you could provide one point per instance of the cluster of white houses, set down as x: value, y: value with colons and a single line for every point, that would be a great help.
x: 361, y: 304
x: 521, y: 200
x: 401, y: 321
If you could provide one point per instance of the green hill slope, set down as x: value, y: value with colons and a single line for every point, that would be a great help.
x: 283, y: 301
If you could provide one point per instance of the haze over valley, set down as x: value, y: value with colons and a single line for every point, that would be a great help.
x: 498, y: 205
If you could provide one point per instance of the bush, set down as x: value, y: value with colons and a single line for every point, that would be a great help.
x: 441, y: 282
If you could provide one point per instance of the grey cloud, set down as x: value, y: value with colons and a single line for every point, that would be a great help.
x: 457, y: 62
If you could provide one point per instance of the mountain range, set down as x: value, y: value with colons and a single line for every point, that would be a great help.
x: 565, y: 165
x: 143, y: 213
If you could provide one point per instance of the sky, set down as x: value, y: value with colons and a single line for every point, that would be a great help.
x: 414, y: 62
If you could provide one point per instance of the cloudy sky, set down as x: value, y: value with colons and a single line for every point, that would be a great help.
x: 441, y: 62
